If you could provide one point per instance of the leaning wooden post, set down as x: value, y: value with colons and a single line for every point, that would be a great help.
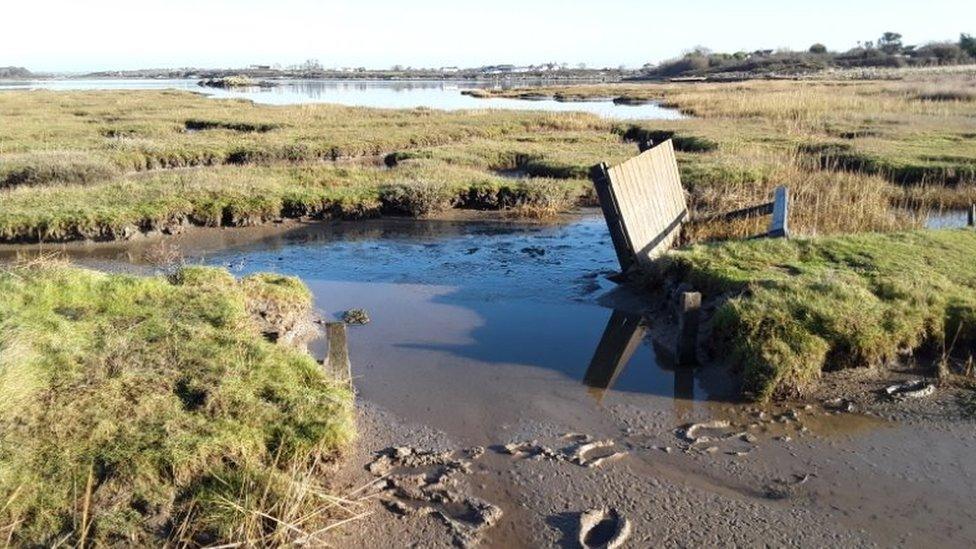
x: 688, y: 319
x: 972, y: 215
x: 337, y: 360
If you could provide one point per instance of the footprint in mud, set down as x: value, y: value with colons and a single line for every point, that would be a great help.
x: 743, y: 437
x: 787, y: 488
x: 603, y: 528
x: 428, y: 483
x: 582, y: 450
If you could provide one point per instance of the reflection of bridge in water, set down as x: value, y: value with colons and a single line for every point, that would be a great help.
x: 624, y: 333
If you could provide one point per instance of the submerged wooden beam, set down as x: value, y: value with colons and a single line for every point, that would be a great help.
x: 337, y: 360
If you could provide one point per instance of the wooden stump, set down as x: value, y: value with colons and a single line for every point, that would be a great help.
x: 337, y: 360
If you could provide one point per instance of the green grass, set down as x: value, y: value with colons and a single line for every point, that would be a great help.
x: 241, y: 196
x: 109, y: 164
x: 144, y: 410
x: 791, y: 309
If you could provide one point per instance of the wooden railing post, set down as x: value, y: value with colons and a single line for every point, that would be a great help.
x: 779, y: 227
x: 972, y: 215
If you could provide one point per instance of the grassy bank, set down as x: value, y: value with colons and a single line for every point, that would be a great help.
x: 792, y: 309
x: 108, y: 165
x: 166, y: 201
x: 150, y: 410
x: 111, y: 164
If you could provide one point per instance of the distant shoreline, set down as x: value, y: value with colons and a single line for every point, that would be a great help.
x: 528, y: 79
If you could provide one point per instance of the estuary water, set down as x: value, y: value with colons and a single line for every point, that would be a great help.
x: 444, y: 95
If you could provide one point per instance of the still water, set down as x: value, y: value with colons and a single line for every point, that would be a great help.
x: 362, y: 93
x: 473, y: 325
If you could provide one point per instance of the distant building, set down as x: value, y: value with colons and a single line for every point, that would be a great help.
x: 498, y: 69
x: 260, y: 67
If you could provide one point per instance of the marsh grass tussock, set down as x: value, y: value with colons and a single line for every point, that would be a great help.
x: 54, y: 167
x: 150, y: 410
x: 792, y: 309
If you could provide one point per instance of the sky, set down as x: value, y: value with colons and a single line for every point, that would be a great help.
x: 77, y: 36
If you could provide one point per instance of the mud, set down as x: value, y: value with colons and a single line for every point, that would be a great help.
x: 426, y: 483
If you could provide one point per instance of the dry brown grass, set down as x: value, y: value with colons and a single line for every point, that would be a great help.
x: 822, y: 202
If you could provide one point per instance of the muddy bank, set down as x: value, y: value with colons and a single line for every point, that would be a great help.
x: 418, y: 201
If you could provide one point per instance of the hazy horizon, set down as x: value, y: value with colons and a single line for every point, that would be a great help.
x: 62, y: 36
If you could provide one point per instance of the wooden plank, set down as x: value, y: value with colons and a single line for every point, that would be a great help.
x: 670, y: 178
x: 627, y: 208
x: 642, y: 210
x: 779, y: 227
x: 337, y: 360
x: 751, y: 211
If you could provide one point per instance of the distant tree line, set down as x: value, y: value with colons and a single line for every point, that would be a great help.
x: 15, y: 72
x: 887, y: 51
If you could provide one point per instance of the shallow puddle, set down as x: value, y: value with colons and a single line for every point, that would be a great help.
x: 476, y: 327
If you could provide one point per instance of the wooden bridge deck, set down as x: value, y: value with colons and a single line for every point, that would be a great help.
x: 644, y: 204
